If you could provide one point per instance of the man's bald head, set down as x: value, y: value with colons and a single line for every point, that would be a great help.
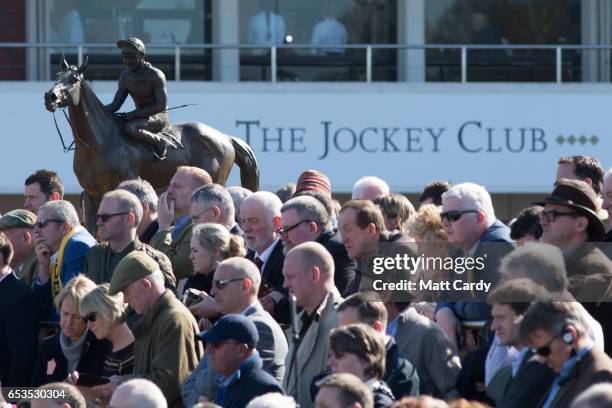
x: 138, y: 393
x: 242, y: 268
x: 312, y: 254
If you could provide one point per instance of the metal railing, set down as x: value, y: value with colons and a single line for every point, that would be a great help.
x: 369, y: 48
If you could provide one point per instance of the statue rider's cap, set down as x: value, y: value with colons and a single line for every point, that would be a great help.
x: 133, y: 42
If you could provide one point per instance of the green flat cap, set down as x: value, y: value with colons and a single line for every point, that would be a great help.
x: 18, y: 219
x: 136, y: 265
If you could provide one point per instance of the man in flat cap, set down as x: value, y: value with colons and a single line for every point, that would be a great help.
x: 18, y: 226
x: 570, y: 222
x: 165, y: 349
x: 147, y: 87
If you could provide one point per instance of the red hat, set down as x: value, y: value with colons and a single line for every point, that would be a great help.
x: 313, y: 180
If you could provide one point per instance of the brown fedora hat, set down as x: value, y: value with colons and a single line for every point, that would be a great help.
x: 578, y: 195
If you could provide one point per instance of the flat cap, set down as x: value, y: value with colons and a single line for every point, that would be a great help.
x: 18, y: 219
x: 136, y: 265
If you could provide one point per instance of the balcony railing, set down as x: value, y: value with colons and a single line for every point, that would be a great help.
x: 420, y: 56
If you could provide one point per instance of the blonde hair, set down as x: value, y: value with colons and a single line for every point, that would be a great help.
x: 111, y: 307
x: 214, y: 236
x: 75, y: 290
x: 427, y: 224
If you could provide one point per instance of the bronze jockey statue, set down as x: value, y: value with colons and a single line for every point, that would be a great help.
x: 147, y: 87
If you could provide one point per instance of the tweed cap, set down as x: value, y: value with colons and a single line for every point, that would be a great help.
x: 18, y: 219
x: 133, y: 42
x: 136, y: 265
x: 580, y: 196
x: 313, y: 180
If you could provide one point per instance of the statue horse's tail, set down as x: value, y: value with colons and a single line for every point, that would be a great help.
x: 246, y: 161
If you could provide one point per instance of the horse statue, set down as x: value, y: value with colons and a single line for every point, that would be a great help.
x: 104, y: 156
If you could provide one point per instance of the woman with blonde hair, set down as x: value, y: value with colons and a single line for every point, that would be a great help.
x: 428, y: 232
x: 74, y: 347
x: 104, y: 314
x: 210, y: 244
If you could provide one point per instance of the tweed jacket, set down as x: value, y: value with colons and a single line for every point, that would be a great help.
x: 425, y: 345
x: 309, y: 358
x: 165, y: 349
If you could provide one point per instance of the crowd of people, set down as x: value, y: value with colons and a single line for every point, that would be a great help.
x: 209, y: 296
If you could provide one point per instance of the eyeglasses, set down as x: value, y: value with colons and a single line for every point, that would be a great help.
x: 220, y: 283
x: 454, y: 215
x: 43, y: 223
x: 285, y: 230
x: 551, y: 215
x: 196, y: 217
x: 89, y: 317
x: 106, y: 217
x: 544, y: 351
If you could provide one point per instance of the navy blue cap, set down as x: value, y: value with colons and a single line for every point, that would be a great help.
x: 232, y: 327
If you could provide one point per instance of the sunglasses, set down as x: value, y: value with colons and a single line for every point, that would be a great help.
x: 455, y: 214
x: 90, y: 317
x: 43, y: 223
x: 106, y: 217
x: 551, y: 215
x: 219, y: 284
x: 544, y: 351
x: 285, y: 230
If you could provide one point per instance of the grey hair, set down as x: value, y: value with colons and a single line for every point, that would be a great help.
x: 128, y: 202
x: 598, y: 395
x: 539, y: 262
x: 62, y: 210
x: 143, y: 190
x: 552, y: 317
x: 156, y: 278
x: 238, y: 195
x: 367, y: 182
x: 272, y: 400
x: 268, y: 202
x: 216, y: 194
x: 308, y: 208
x: 142, y: 393
x: 473, y: 197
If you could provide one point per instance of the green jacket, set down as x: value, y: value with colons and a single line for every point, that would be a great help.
x: 166, y: 350
x: 101, y: 262
x: 28, y: 268
x: 176, y: 250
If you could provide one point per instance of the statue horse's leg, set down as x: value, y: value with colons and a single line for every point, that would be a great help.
x: 90, y: 209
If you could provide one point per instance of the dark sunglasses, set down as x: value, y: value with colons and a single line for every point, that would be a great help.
x: 285, y: 230
x: 219, y: 284
x: 43, y: 223
x: 551, y: 215
x: 455, y: 214
x: 106, y: 217
x: 544, y: 351
x: 90, y: 317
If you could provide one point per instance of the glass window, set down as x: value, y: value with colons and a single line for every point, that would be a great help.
x: 317, y: 22
x: 153, y: 21
x: 502, y: 22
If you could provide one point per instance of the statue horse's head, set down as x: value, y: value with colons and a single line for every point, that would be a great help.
x: 67, y: 88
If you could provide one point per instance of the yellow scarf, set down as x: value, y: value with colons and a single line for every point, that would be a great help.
x: 56, y: 268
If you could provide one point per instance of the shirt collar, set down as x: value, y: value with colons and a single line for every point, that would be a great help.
x: 265, y: 255
x: 567, y: 367
x: 181, y: 222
